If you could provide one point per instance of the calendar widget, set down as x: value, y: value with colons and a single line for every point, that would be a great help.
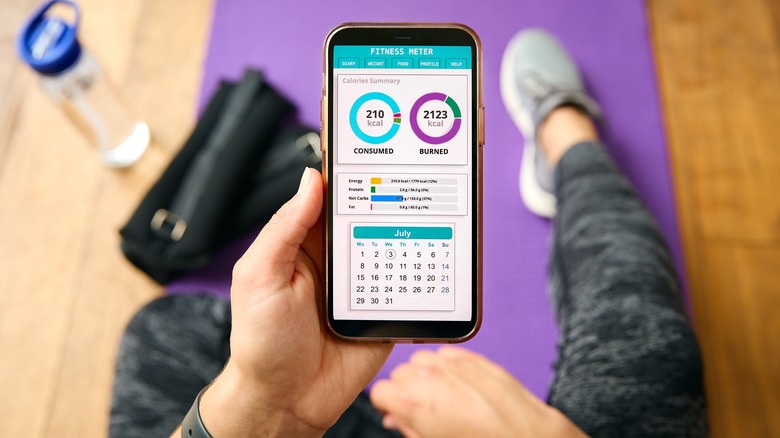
x: 402, y: 266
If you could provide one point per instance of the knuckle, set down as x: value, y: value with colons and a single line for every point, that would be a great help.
x: 401, y: 372
x: 241, y: 269
x: 379, y: 392
x: 423, y: 357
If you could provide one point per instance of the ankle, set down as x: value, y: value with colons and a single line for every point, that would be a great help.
x: 563, y: 128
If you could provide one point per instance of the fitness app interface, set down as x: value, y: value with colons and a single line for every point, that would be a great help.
x: 402, y: 160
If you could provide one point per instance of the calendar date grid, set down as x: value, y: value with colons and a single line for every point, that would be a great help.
x: 402, y: 267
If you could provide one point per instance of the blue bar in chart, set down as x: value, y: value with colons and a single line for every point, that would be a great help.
x: 387, y: 198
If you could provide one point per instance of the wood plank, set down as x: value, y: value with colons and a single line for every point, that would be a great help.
x: 49, y: 182
x: 742, y: 325
x: 12, y: 81
x: 46, y: 191
x: 718, y: 64
x: 163, y: 77
x: 171, y: 58
x: 43, y: 214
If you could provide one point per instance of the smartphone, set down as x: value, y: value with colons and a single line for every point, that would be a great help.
x: 403, y: 129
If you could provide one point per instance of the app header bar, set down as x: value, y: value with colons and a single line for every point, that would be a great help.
x: 402, y: 57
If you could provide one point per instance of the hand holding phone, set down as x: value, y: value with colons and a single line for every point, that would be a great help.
x: 286, y: 376
x: 402, y: 146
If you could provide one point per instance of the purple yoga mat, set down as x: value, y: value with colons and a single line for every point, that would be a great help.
x: 609, y: 40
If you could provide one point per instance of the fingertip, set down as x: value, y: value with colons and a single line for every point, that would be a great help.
x: 305, y: 181
x: 396, y: 372
x: 378, y: 384
x: 306, y: 206
x: 310, y: 185
x: 454, y: 352
x: 398, y: 407
x: 310, y: 177
x: 378, y: 393
x: 422, y: 357
x: 388, y: 422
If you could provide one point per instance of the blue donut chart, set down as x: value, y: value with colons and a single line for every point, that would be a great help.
x: 353, y: 114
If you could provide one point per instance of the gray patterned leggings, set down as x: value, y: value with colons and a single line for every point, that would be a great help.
x: 628, y: 363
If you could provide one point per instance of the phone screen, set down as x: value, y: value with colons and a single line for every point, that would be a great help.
x: 401, y: 179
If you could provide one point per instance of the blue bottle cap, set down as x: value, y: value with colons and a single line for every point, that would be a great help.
x: 48, y: 43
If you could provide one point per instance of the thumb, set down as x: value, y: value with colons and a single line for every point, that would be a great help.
x: 271, y: 257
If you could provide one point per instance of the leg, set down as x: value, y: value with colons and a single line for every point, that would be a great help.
x: 171, y: 349
x: 628, y: 363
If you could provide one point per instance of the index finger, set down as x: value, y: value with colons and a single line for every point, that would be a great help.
x: 270, y: 259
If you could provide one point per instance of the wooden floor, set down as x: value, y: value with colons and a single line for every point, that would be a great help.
x: 66, y: 292
x: 719, y: 69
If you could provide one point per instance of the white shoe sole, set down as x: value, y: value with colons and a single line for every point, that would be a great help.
x: 537, y: 200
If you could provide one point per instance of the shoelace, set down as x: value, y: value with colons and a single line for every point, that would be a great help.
x: 533, y: 85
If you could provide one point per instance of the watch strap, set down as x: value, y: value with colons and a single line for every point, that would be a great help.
x: 192, y: 426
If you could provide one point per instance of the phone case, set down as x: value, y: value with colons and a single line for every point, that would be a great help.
x: 326, y: 92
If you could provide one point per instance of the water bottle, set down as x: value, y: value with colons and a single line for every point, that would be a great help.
x: 73, y: 78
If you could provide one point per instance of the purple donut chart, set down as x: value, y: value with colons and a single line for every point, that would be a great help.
x: 456, y: 115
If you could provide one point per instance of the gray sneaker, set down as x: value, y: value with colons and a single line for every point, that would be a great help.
x: 537, y: 76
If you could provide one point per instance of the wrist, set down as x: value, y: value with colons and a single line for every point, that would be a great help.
x: 233, y: 406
